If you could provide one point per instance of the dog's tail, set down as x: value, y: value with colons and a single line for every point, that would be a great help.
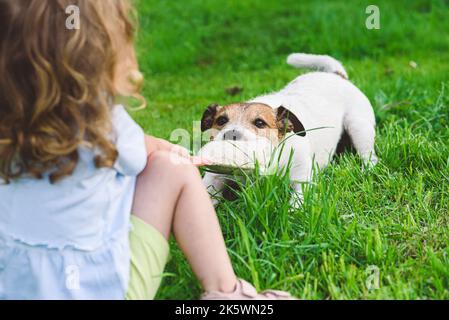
x: 318, y: 62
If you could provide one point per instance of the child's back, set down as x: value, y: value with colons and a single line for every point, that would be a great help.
x: 67, y: 190
x: 55, y: 231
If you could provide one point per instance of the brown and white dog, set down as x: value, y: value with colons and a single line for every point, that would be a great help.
x: 319, y: 112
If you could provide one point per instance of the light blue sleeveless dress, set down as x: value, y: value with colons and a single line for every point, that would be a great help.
x: 69, y: 240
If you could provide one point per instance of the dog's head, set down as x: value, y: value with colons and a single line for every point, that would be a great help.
x: 250, y: 121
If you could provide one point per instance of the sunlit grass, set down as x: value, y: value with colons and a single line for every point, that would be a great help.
x: 393, y: 218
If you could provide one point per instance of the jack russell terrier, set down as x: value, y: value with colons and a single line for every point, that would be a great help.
x: 321, y: 113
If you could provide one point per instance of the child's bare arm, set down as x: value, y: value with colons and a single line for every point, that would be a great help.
x: 156, y: 144
x: 152, y: 144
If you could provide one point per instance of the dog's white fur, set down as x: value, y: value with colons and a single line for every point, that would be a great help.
x: 318, y: 99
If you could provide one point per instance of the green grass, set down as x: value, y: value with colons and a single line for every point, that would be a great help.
x: 394, y: 217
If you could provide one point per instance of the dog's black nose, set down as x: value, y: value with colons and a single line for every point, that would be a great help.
x: 232, y: 135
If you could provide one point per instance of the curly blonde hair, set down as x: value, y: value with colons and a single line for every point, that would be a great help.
x: 57, y: 85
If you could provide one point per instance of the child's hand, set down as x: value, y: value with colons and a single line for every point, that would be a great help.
x: 154, y: 144
x: 184, y: 153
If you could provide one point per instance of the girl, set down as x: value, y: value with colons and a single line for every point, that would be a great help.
x: 87, y: 200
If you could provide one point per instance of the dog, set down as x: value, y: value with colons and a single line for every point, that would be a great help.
x: 315, y: 116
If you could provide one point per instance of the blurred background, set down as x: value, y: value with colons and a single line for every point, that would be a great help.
x: 192, y: 51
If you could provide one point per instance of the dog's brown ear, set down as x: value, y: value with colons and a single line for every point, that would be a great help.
x: 209, y: 117
x: 288, y: 122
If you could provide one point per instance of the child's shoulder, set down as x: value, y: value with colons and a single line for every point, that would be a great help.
x: 130, y: 142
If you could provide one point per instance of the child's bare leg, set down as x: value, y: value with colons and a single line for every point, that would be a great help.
x: 171, y: 197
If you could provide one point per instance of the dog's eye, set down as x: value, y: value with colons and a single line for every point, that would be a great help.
x: 259, y: 123
x: 222, y: 121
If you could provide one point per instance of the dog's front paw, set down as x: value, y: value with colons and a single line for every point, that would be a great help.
x: 370, y: 162
x: 296, y: 200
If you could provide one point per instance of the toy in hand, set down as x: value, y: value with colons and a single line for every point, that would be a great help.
x: 236, y: 157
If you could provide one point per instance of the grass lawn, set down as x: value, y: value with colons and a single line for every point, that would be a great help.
x: 393, y: 221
